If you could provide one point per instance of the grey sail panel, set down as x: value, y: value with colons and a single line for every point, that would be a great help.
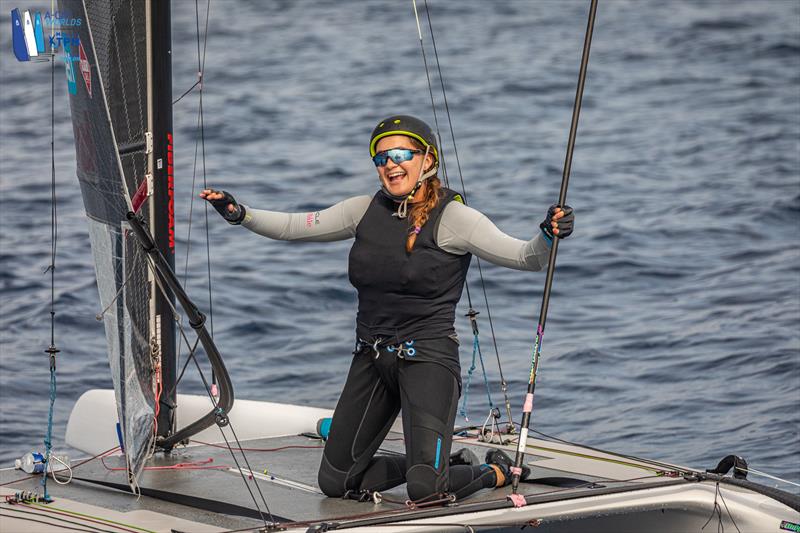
x: 109, y: 111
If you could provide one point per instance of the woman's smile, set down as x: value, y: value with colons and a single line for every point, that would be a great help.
x: 397, y: 182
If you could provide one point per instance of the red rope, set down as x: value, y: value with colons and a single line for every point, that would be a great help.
x: 195, y: 465
x: 278, y: 449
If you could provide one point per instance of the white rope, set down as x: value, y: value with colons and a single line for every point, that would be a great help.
x: 764, y: 474
x: 53, y: 471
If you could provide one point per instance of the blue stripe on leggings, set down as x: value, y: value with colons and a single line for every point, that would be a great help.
x: 438, y: 451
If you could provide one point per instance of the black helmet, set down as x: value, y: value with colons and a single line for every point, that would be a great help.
x: 408, y: 126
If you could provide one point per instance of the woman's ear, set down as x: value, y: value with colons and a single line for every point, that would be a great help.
x: 429, y: 161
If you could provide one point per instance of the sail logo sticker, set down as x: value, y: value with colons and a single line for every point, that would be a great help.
x: 69, y: 61
x: 86, y: 69
x: 62, y: 19
x: 27, y: 36
x: 790, y: 526
x: 28, y: 33
x: 30, y: 43
x: 58, y: 38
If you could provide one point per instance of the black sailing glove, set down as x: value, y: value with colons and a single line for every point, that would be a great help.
x: 564, y: 224
x: 221, y: 205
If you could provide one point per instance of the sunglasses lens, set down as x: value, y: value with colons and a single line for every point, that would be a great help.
x: 398, y: 155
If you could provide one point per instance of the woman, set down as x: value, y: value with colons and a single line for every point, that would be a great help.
x: 413, y: 243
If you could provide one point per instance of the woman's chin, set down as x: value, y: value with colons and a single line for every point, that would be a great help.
x: 398, y: 190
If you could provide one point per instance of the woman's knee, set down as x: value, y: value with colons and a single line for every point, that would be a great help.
x: 331, y: 481
x: 424, y: 482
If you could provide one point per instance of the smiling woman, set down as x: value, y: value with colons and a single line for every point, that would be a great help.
x: 406, y: 154
x: 413, y: 242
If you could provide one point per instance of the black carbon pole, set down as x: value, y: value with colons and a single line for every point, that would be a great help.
x: 197, y: 320
x: 163, y: 209
x: 551, y: 266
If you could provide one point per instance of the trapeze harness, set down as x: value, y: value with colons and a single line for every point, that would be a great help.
x: 406, y: 357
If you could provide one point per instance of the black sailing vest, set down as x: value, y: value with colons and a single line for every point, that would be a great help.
x: 404, y: 296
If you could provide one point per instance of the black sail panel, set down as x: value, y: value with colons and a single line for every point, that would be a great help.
x: 107, y: 51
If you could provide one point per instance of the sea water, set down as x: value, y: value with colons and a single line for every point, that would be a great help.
x: 673, y: 324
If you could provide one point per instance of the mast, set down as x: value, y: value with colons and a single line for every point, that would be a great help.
x: 162, y: 212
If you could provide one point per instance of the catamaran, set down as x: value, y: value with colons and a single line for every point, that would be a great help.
x: 163, y: 461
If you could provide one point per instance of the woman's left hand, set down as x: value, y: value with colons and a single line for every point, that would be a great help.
x: 558, y: 222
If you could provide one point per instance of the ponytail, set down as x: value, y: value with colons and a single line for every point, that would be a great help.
x: 420, y: 211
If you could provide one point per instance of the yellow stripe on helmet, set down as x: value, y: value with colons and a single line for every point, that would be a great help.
x: 413, y: 135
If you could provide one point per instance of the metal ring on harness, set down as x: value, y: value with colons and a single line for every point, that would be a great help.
x: 376, y: 349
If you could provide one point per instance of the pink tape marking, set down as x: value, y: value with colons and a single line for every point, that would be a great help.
x: 518, y: 500
x: 528, y: 407
x: 516, y: 470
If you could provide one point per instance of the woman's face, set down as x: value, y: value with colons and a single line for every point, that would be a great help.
x: 400, y: 178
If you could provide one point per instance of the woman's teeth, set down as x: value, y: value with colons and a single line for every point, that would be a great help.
x: 395, y: 176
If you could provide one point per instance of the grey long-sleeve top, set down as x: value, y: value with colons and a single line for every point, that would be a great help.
x: 462, y: 230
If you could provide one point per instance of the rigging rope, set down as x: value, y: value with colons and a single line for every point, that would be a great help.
x: 476, y: 350
x: 221, y: 417
x: 199, y: 149
x: 503, y: 383
x: 52, y: 350
x: 222, y: 420
x: 201, y: 61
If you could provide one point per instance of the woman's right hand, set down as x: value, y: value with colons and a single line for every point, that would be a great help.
x: 225, y: 204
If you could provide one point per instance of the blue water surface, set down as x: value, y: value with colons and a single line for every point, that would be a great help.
x: 673, y: 326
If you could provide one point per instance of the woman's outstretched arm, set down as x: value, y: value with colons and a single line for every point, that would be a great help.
x: 466, y: 230
x: 335, y: 223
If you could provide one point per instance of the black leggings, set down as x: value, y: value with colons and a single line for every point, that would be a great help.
x: 375, y: 391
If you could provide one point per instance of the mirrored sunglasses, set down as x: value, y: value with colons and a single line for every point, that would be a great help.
x: 398, y: 155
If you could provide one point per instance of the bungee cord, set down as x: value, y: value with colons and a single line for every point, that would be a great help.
x: 476, y: 346
x: 717, y: 510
